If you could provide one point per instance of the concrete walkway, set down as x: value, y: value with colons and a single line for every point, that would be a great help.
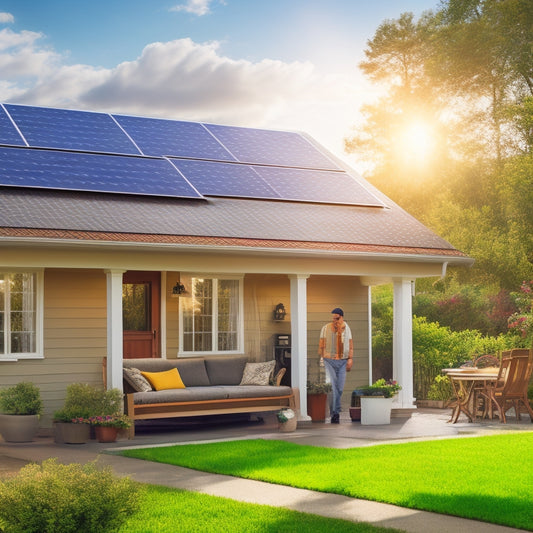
x: 422, y: 425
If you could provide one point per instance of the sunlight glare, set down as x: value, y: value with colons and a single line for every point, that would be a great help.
x: 417, y: 142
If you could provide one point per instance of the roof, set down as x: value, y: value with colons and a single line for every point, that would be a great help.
x: 241, y: 187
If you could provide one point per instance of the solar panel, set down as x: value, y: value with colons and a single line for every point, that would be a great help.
x: 159, y: 137
x: 267, y: 147
x: 8, y: 132
x: 70, y: 130
x: 224, y: 179
x: 317, y: 186
x: 28, y: 167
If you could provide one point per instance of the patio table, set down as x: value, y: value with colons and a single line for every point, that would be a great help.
x: 465, y: 381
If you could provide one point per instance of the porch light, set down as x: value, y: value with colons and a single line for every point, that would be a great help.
x: 279, y: 312
x: 178, y: 289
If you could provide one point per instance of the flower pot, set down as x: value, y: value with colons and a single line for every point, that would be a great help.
x: 19, y: 428
x: 68, y: 433
x: 316, y: 407
x: 289, y: 426
x: 355, y: 414
x: 106, y: 433
x: 375, y: 410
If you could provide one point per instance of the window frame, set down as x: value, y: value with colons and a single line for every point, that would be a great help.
x: 39, y: 316
x: 240, y: 318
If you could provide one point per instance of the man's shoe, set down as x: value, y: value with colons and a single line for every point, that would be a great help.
x: 335, y: 419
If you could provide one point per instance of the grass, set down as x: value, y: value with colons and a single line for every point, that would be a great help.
x: 169, y: 510
x: 483, y: 478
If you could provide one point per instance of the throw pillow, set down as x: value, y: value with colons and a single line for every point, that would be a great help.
x: 134, y: 377
x: 258, y: 373
x: 170, y: 379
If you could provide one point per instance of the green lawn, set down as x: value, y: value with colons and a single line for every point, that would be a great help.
x: 484, y: 478
x: 166, y: 510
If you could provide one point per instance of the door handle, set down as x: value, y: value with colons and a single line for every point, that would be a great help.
x: 155, y: 333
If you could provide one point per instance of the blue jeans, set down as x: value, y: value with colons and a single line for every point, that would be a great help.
x: 336, y: 369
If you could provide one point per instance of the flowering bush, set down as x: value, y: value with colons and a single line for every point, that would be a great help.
x: 80, y: 420
x: 116, y: 421
x: 381, y: 388
x: 522, y: 321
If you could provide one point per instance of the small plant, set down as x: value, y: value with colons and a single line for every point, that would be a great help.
x: 115, y: 421
x: 57, y: 498
x: 381, y: 388
x: 285, y: 415
x: 318, y: 387
x: 83, y: 401
x: 21, y: 399
x: 441, y: 389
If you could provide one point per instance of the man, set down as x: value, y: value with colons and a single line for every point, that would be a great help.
x: 335, y: 348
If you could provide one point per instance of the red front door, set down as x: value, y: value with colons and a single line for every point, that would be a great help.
x: 140, y: 314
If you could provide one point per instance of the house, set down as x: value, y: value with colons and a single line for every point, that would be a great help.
x: 124, y: 236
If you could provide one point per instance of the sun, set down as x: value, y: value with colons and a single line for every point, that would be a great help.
x: 416, y: 142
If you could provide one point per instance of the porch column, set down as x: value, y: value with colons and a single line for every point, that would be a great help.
x: 114, y: 328
x: 299, y: 340
x: 402, y: 350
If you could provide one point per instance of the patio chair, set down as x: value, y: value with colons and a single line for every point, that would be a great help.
x: 511, y: 385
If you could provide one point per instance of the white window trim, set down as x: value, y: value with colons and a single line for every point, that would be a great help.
x: 39, y: 317
x: 240, y: 323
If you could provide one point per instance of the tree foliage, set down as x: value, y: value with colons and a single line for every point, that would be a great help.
x: 465, y: 74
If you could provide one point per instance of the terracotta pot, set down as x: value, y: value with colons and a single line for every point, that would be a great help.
x: 106, y: 433
x: 316, y: 407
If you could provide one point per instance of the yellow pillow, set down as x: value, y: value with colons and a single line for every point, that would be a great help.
x: 169, y: 379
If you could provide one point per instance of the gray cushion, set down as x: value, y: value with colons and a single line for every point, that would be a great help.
x: 256, y: 391
x: 225, y: 370
x: 193, y: 394
x: 192, y: 371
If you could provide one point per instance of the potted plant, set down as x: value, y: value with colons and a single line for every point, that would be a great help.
x: 376, y: 402
x: 317, y: 397
x: 107, y: 426
x: 287, y: 420
x: 83, y: 401
x: 21, y: 406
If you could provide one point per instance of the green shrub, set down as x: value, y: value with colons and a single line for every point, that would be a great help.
x: 56, y: 498
x: 441, y: 389
x: 22, y: 399
x: 84, y: 401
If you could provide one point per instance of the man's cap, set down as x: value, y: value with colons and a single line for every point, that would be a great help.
x: 337, y: 311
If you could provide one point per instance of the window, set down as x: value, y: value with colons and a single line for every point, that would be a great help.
x: 211, y: 318
x: 20, y: 317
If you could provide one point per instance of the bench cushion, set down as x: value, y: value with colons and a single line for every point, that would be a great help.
x: 225, y: 370
x: 192, y: 371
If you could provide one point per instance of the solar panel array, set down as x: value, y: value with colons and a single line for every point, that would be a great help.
x: 88, y: 151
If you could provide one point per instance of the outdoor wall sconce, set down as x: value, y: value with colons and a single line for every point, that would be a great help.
x: 279, y: 312
x: 178, y: 289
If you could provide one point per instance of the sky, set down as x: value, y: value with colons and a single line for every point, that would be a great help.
x: 276, y: 64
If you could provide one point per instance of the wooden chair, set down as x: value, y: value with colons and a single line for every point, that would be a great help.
x: 511, y: 385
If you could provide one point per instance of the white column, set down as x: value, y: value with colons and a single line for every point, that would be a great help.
x: 402, y: 351
x: 114, y: 328
x: 299, y: 340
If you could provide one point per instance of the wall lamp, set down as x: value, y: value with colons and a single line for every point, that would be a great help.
x: 279, y: 312
x: 178, y: 289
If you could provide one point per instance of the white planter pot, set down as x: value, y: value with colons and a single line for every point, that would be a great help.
x: 19, y: 428
x: 375, y: 410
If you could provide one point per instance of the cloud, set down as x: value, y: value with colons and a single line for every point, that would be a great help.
x: 195, y: 7
x: 6, y: 18
x: 184, y: 80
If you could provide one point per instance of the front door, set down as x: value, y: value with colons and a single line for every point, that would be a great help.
x: 141, y: 314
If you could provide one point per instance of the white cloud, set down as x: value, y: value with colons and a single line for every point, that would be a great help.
x: 185, y: 80
x: 196, y: 7
x: 6, y: 18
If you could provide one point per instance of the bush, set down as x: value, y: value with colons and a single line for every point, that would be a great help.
x: 441, y: 389
x: 84, y: 401
x: 22, y: 399
x: 56, y: 498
